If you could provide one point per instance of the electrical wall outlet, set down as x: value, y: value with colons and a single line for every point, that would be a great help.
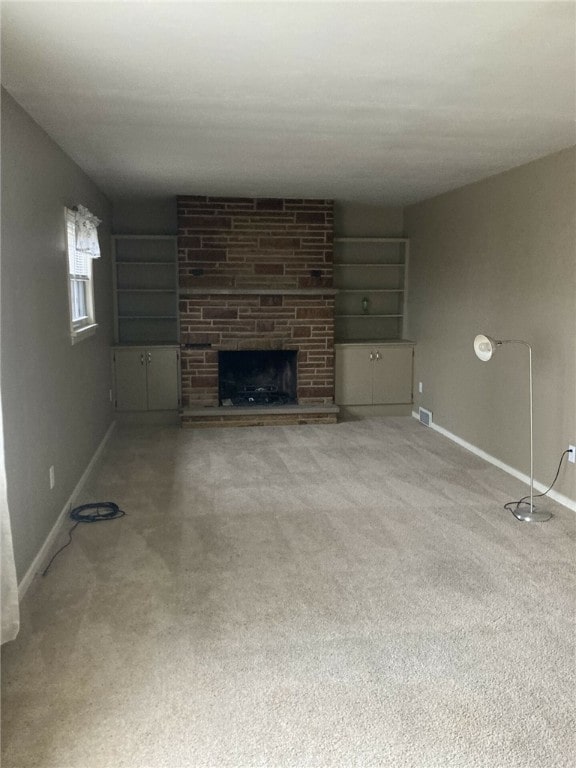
x: 52, y: 477
x: 572, y: 454
x: 420, y: 387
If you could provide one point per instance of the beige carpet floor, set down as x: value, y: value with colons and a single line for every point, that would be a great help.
x: 347, y: 595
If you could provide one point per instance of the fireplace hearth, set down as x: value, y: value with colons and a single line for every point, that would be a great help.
x: 257, y: 377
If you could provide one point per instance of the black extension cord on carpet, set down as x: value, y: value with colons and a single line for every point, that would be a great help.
x: 512, y: 506
x: 88, y: 513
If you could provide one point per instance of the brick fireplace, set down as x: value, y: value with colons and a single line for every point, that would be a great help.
x: 256, y: 274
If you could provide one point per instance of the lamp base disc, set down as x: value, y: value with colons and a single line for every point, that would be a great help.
x: 528, y: 513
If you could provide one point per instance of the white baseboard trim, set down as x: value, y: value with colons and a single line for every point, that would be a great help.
x: 45, y: 549
x: 559, y: 497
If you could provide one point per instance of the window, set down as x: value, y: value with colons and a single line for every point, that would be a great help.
x: 81, y: 251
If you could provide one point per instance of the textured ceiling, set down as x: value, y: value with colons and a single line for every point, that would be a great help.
x: 378, y: 102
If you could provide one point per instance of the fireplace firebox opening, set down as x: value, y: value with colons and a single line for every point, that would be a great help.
x: 257, y: 377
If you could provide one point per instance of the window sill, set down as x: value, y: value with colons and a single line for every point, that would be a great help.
x: 83, y: 333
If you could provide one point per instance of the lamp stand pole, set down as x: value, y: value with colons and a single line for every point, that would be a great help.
x: 530, y: 515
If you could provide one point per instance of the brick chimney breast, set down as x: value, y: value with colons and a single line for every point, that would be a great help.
x: 252, y: 274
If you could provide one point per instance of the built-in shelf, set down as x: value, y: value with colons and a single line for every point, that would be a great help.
x: 157, y: 263
x: 379, y: 342
x: 370, y: 240
x: 146, y: 289
x: 151, y: 344
x: 357, y: 264
x: 370, y: 274
x: 145, y: 317
x: 147, y: 238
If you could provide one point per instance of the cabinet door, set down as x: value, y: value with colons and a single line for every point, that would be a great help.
x: 130, y: 379
x: 393, y: 375
x: 162, y: 369
x: 353, y: 368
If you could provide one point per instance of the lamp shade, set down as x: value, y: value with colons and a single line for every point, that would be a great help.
x: 484, y: 346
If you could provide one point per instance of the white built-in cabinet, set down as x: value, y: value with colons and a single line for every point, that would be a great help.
x: 146, y: 360
x: 146, y: 378
x: 374, y: 374
x: 374, y: 362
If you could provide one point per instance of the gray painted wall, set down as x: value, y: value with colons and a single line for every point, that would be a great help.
x: 499, y: 257
x: 55, y: 396
x: 146, y: 216
x: 364, y: 220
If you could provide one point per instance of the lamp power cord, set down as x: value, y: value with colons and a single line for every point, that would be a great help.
x: 513, y: 506
x: 96, y: 512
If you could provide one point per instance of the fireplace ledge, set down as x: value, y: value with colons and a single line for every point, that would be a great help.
x: 254, y: 416
x: 207, y: 291
x: 254, y: 410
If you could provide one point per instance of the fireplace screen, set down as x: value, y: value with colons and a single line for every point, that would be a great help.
x: 257, y: 377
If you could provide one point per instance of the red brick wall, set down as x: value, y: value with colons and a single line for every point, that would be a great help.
x: 251, y: 244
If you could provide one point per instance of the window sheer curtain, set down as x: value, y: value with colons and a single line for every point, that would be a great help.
x: 87, y: 245
x: 9, y: 584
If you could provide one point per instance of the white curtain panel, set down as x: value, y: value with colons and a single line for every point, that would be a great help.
x: 9, y: 584
x: 86, y: 234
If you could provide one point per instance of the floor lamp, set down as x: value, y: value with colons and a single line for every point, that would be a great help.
x: 485, y: 346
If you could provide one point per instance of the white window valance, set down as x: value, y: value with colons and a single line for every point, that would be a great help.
x: 86, y: 233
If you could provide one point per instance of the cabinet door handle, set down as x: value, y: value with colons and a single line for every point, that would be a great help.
x: 371, y: 355
x: 378, y: 356
x: 142, y: 359
x: 149, y: 357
